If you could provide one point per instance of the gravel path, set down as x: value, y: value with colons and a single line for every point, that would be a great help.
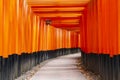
x: 61, y: 68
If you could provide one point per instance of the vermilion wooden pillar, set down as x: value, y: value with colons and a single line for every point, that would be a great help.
x: 118, y: 26
x: 100, y: 27
x: 1, y: 27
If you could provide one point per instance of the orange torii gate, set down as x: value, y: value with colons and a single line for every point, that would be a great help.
x: 100, y: 38
x: 91, y: 25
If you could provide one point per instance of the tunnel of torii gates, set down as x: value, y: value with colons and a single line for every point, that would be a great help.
x: 32, y: 31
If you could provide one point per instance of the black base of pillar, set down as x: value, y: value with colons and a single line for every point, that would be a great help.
x: 103, y: 64
x: 16, y: 65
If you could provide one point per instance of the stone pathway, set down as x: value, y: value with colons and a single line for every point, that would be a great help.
x: 61, y: 68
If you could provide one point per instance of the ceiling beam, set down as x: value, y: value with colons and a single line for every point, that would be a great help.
x: 59, y: 15
x: 52, y: 12
x: 65, y: 25
x: 60, y: 18
x: 57, y: 6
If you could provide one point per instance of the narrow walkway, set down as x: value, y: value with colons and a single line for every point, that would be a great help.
x: 61, y: 68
